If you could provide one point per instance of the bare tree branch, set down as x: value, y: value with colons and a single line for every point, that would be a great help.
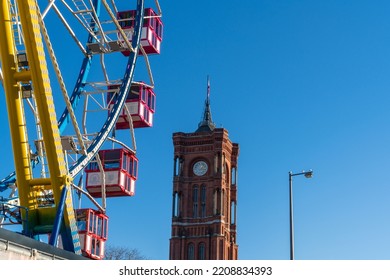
x: 122, y: 253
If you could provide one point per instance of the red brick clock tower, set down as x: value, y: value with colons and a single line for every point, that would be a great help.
x: 204, y: 193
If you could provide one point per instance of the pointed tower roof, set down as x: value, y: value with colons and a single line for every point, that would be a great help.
x: 206, y: 125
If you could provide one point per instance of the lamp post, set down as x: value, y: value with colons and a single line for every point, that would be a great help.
x: 307, y: 174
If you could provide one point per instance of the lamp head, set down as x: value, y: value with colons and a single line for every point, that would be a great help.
x: 309, y: 174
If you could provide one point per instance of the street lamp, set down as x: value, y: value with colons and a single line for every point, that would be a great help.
x: 307, y: 174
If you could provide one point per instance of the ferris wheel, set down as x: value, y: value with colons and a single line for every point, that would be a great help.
x: 65, y: 119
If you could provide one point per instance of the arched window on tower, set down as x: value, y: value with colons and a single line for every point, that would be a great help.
x: 227, y: 173
x: 202, y: 251
x: 234, y: 175
x: 178, y: 166
x: 215, y: 202
x: 223, y: 163
x: 195, y: 201
x: 222, y: 202
x: 176, y: 205
x: 217, y: 163
x: 175, y: 166
x: 203, y: 201
x: 218, y: 202
x: 233, y: 209
x: 191, y: 251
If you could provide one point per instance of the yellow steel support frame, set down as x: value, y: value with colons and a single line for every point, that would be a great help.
x: 15, y: 113
x: 39, y: 219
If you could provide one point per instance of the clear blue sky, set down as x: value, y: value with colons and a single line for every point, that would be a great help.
x: 299, y: 85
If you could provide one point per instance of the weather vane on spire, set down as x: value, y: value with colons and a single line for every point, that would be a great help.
x: 208, y: 87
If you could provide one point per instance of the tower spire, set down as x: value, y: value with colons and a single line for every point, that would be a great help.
x: 207, y: 123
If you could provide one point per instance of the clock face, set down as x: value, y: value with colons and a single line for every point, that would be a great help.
x: 200, y: 168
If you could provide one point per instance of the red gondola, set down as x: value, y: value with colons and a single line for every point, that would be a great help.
x: 152, y: 30
x: 120, y: 169
x: 140, y: 103
x: 92, y: 228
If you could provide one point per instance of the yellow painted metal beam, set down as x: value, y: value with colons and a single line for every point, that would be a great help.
x: 30, y: 19
x: 16, y: 119
x: 22, y: 76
